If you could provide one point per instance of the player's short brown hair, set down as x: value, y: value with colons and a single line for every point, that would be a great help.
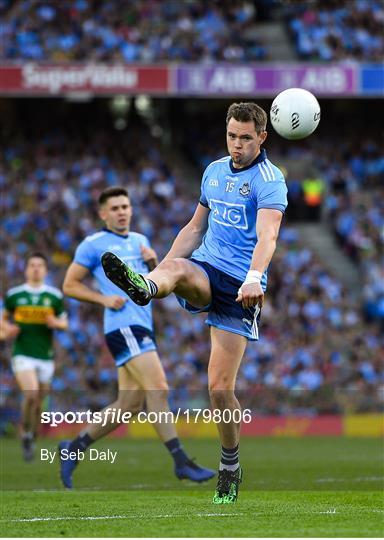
x: 248, y: 112
x: 109, y: 192
x: 37, y: 255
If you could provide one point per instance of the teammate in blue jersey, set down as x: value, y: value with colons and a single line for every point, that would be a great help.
x: 218, y: 263
x: 128, y: 331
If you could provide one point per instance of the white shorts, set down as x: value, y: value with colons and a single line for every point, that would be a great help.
x: 44, y: 368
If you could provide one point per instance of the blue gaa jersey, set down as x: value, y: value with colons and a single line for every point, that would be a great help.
x: 234, y: 196
x: 127, y: 248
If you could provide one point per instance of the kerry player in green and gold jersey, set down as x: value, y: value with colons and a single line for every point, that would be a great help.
x: 32, y: 311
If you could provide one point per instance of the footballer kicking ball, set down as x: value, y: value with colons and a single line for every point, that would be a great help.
x: 295, y: 113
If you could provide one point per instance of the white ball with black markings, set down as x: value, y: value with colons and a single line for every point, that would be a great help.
x: 295, y: 113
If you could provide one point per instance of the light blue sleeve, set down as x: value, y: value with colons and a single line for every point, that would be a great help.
x: 86, y: 255
x: 272, y: 195
x: 203, y: 198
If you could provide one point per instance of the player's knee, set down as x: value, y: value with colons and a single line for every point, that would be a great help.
x: 155, y: 382
x: 221, y: 390
x: 220, y: 383
x: 160, y: 388
x: 175, y: 266
x: 219, y: 399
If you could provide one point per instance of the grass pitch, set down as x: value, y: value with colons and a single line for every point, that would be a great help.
x: 310, y: 487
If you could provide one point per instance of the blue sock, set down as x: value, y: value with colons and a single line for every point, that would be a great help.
x: 176, y: 451
x: 80, y: 443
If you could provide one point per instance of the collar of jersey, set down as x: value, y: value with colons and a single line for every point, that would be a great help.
x: 35, y: 290
x: 111, y: 232
x: 261, y: 157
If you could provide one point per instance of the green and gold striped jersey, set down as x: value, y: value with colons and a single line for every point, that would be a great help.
x: 30, y: 307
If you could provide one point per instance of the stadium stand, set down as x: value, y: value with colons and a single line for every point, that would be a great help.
x: 195, y: 31
x: 337, y: 30
x: 358, y: 220
x: 130, y: 31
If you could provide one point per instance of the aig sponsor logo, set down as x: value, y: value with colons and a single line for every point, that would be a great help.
x: 229, y: 214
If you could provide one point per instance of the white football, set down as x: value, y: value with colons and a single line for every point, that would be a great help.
x: 295, y: 113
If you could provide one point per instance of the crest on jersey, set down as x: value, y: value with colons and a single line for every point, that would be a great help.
x: 245, y: 190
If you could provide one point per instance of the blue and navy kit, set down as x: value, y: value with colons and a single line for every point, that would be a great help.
x: 234, y: 197
x: 128, y: 331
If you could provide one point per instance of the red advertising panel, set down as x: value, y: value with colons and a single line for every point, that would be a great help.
x: 95, y: 79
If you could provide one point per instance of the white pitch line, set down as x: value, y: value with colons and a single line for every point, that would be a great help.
x: 215, y: 515
x: 357, y: 479
x: 64, y: 518
x: 332, y: 511
x: 137, y: 516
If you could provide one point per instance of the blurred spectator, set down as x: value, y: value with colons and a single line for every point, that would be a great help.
x: 334, y: 30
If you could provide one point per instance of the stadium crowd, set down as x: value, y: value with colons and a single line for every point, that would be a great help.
x: 337, y: 30
x: 189, y: 31
x: 359, y: 224
x: 318, y: 352
x: 129, y: 31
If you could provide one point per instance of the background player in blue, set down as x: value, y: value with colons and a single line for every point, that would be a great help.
x: 128, y: 331
x: 218, y: 263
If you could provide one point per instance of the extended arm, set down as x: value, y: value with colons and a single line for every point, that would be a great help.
x: 190, y: 236
x: 74, y: 287
x: 267, y: 230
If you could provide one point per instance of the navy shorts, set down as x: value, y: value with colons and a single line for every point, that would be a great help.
x: 126, y: 343
x: 224, y: 312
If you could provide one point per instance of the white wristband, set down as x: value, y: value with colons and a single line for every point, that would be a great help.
x: 253, y: 276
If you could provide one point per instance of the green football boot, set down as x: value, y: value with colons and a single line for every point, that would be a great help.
x: 132, y: 283
x: 228, y: 486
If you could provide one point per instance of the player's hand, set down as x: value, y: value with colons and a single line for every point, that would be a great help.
x: 149, y: 256
x: 9, y: 330
x: 250, y: 295
x: 51, y: 321
x: 114, y: 301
